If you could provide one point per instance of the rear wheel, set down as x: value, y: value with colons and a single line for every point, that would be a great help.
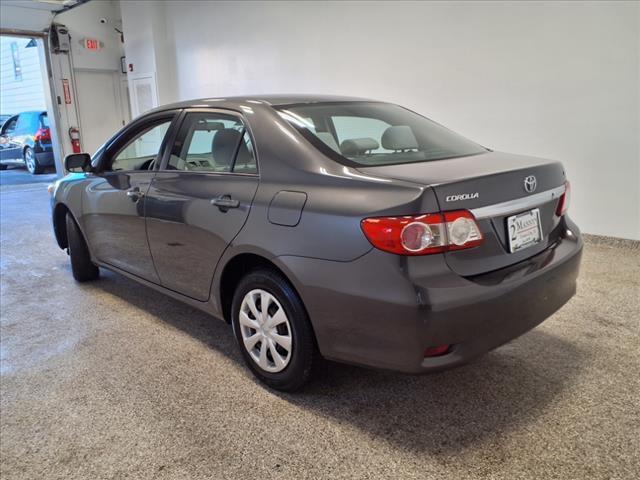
x: 3, y: 167
x: 273, y: 331
x: 31, y: 161
x: 81, y: 266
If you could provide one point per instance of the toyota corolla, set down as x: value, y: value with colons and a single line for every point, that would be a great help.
x: 325, y: 227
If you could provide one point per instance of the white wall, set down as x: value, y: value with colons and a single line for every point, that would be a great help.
x: 24, y: 93
x: 552, y: 79
x: 149, y: 50
x: 83, y: 22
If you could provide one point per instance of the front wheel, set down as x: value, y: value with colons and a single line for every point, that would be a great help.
x: 31, y: 161
x: 273, y: 331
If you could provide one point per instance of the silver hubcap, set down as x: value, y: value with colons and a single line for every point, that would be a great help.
x: 265, y: 330
x: 31, y: 165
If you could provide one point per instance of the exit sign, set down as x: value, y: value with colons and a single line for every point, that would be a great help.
x: 92, y: 44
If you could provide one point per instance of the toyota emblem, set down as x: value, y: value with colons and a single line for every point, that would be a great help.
x: 530, y: 183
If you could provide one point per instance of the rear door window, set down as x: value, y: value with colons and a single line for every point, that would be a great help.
x: 10, y: 126
x: 213, y: 142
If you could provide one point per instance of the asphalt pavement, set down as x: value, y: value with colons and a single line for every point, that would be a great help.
x: 21, y: 176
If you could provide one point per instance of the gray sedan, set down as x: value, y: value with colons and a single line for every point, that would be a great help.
x: 325, y: 227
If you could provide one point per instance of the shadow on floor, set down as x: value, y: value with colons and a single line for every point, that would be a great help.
x: 437, y: 414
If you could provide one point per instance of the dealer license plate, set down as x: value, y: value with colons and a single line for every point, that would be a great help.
x: 524, y: 230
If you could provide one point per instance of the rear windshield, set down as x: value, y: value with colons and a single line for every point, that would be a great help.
x: 375, y: 134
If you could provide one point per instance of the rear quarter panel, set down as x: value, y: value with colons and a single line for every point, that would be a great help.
x: 329, y: 225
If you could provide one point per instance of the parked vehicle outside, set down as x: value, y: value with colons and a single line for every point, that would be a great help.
x: 332, y: 227
x: 25, y: 140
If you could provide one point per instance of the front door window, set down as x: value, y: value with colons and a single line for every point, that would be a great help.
x: 140, y: 153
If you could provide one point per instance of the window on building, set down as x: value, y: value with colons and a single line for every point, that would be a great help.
x: 15, y: 54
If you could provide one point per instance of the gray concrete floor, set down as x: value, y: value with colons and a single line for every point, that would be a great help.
x: 21, y: 176
x: 113, y: 380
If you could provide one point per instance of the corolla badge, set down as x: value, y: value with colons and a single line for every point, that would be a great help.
x: 530, y: 183
x: 462, y: 196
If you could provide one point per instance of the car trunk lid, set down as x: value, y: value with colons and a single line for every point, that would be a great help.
x: 492, y: 187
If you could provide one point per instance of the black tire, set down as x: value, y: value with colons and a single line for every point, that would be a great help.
x: 81, y: 266
x: 31, y: 161
x: 304, y: 355
x: 3, y: 167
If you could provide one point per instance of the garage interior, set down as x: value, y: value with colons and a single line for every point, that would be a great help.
x: 114, y: 380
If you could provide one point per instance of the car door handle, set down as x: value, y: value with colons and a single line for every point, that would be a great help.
x: 135, y: 194
x: 225, y: 202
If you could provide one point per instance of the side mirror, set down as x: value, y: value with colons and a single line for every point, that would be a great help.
x: 78, y: 162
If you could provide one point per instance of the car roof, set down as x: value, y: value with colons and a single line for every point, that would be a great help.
x: 32, y: 112
x: 271, y: 100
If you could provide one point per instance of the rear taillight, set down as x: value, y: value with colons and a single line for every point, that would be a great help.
x: 423, y: 234
x: 565, y: 199
x: 436, y: 351
x: 462, y: 230
x: 42, y: 134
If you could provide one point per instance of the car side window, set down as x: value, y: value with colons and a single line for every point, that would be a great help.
x: 9, y: 127
x: 141, y: 152
x: 246, y: 157
x: 213, y: 142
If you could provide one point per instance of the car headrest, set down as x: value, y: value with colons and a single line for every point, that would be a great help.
x: 399, y: 137
x: 223, y: 146
x: 208, y: 126
x: 327, y: 138
x: 358, y: 146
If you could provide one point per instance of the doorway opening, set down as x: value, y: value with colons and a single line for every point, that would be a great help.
x: 27, y: 149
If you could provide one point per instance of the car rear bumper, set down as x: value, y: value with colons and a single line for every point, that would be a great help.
x: 45, y: 158
x: 383, y: 310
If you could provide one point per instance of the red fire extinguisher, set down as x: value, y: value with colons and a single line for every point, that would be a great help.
x: 74, y: 135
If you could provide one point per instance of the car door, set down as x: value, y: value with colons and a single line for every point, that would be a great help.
x: 200, y: 199
x: 9, y: 149
x: 114, y: 201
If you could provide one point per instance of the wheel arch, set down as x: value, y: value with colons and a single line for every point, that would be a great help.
x: 236, y: 268
x: 59, y: 224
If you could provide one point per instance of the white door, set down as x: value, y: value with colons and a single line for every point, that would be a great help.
x: 144, y: 97
x: 126, y: 103
x: 99, y: 106
x: 144, y: 94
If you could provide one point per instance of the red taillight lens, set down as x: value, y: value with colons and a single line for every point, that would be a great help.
x: 565, y: 199
x: 42, y: 134
x: 436, y: 351
x: 408, y: 235
x: 423, y: 234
